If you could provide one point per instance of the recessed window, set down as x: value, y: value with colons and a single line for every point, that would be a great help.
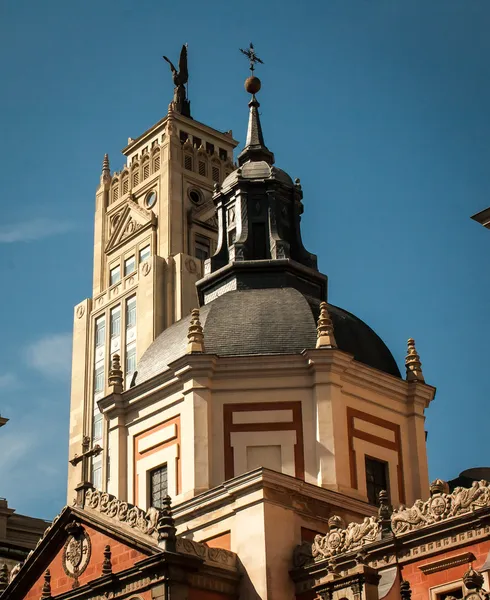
x: 125, y: 186
x: 99, y: 379
x: 156, y: 163
x: 223, y: 154
x: 196, y: 141
x: 129, y: 265
x: 215, y: 174
x: 116, y: 322
x: 115, y: 275
x: 97, y: 427
x: 100, y: 332
x: 209, y: 148
x: 183, y: 136
x: 136, y: 178
x: 376, y: 478
x: 456, y: 592
x: 131, y: 312
x: 145, y: 253
x: 158, y: 486
x: 202, y: 248
x: 188, y: 162
x: 130, y: 360
x: 151, y: 199
x: 97, y: 473
x: 146, y: 170
x: 195, y: 196
x: 202, y: 168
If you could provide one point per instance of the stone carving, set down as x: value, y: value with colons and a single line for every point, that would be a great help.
x: 213, y: 555
x: 143, y: 521
x: 76, y: 552
x: 80, y: 311
x: 440, y: 506
x: 190, y: 265
x: 146, y: 268
x: 339, y: 540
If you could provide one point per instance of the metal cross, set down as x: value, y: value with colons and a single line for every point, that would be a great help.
x: 252, y: 57
x: 84, y: 458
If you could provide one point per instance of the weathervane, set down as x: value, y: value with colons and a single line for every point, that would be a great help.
x: 252, y: 57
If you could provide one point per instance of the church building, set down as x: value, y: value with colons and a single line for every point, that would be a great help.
x: 234, y: 434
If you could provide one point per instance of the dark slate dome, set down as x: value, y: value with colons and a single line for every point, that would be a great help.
x: 265, y: 321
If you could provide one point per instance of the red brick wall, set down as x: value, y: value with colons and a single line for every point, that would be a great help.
x: 421, y: 583
x: 195, y: 594
x: 123, y: 558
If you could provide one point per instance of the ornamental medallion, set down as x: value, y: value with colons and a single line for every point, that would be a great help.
x: 76, y: 553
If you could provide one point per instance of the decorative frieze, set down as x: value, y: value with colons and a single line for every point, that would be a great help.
x: 339, y: 540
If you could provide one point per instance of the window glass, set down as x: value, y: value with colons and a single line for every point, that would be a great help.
x: 99, y: 379
x: 97, y: 433
x: 376, y: 478
x: 129, y: 265
x: 130, y: 359
x: 131, y: 312
x: 158, y: 486
x: 97, y: 473
x: 100, y: 332
x: 115, y: 275
x: 144, y: 253
x: 115, y: 322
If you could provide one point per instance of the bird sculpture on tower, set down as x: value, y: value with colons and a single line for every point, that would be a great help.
x: 180, y: 77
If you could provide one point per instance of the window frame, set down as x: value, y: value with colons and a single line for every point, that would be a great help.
x: 151, y: 473
x: 111, y: 271
x: 126, y: 261
x: 374, y: 500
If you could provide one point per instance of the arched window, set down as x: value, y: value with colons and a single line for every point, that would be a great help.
x: 215, y: 173
x: 115, y: 190
x: 136, y: 174
x: 156, y: 159
x: 146, y: 168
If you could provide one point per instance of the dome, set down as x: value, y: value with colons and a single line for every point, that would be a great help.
x: 257, y: 170
x: 265, y: 321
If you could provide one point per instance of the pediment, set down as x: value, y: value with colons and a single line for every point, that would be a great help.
x: 128, y: 222
x: 72, y: 548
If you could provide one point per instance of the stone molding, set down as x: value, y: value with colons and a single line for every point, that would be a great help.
x: 214, y: 556
x: 447, y: 563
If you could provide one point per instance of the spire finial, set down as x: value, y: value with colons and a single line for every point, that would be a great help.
x: 195, y: 335
x: 115, y: 374
x: 255, y: 148
x: 413, y: 364
x: 405, y: 591
x: 105, y: 164
x: 166, y: 526
x: 46, y: 592
x: 107, y: 564
x: 325, y: 336
x: 4, y: 577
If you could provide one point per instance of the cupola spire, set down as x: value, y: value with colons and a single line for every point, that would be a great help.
x: 255, y: 148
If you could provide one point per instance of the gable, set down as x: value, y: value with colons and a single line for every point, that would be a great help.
x: 127, y: 222
x: 64, y: 575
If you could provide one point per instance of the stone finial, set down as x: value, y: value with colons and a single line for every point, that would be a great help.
x: 195, y: 335
x: 46, y: 591
x: 438, y: 486
x: 325, y: 336
x: 4, y: 577
x: 413, y: 364
x: 166, y: 526
x: 115, y: 374
x: 105, y: 176
x: 107, y: 564
x: 384, y: 512
x: 405, y: 591
x: 335, y: 522
x: 472, y: 579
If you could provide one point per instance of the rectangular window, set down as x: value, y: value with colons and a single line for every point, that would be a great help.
x: 129, y: 265
x: 202, y: 168
x: 97, y: 473
x: 130, y: 360
x: 259, y: 241
x: 115, y: 275
x: 131, y: 312
x: 183, y: 136
x: 454, y: 593
x: 116, y: 322
x: 100, y: 332
x: 188, y: 162
x: 97, y: 428
x: 376, y: 478
x: 202, y: 247
x: 99, y: 379
x: 144, y: 253
x: 223, y: 154
x: 158, y: 486
x: 209, y: 148
x: 146, y: 170
x: 196, y: 141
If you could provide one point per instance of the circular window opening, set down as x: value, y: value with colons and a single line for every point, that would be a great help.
x: 195, y: 196
x: 151, y: 200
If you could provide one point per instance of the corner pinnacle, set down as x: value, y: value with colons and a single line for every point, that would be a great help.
x: 325, y: 336
x: 413, y: 364
x: 195, y: 335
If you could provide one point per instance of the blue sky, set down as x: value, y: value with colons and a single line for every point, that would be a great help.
x: 379, y: 106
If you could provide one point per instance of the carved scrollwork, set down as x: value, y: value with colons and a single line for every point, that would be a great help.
x: 143, y: 521
x: 441, y: 506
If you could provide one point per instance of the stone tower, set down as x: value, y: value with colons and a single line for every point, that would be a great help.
x: 155, y: 225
